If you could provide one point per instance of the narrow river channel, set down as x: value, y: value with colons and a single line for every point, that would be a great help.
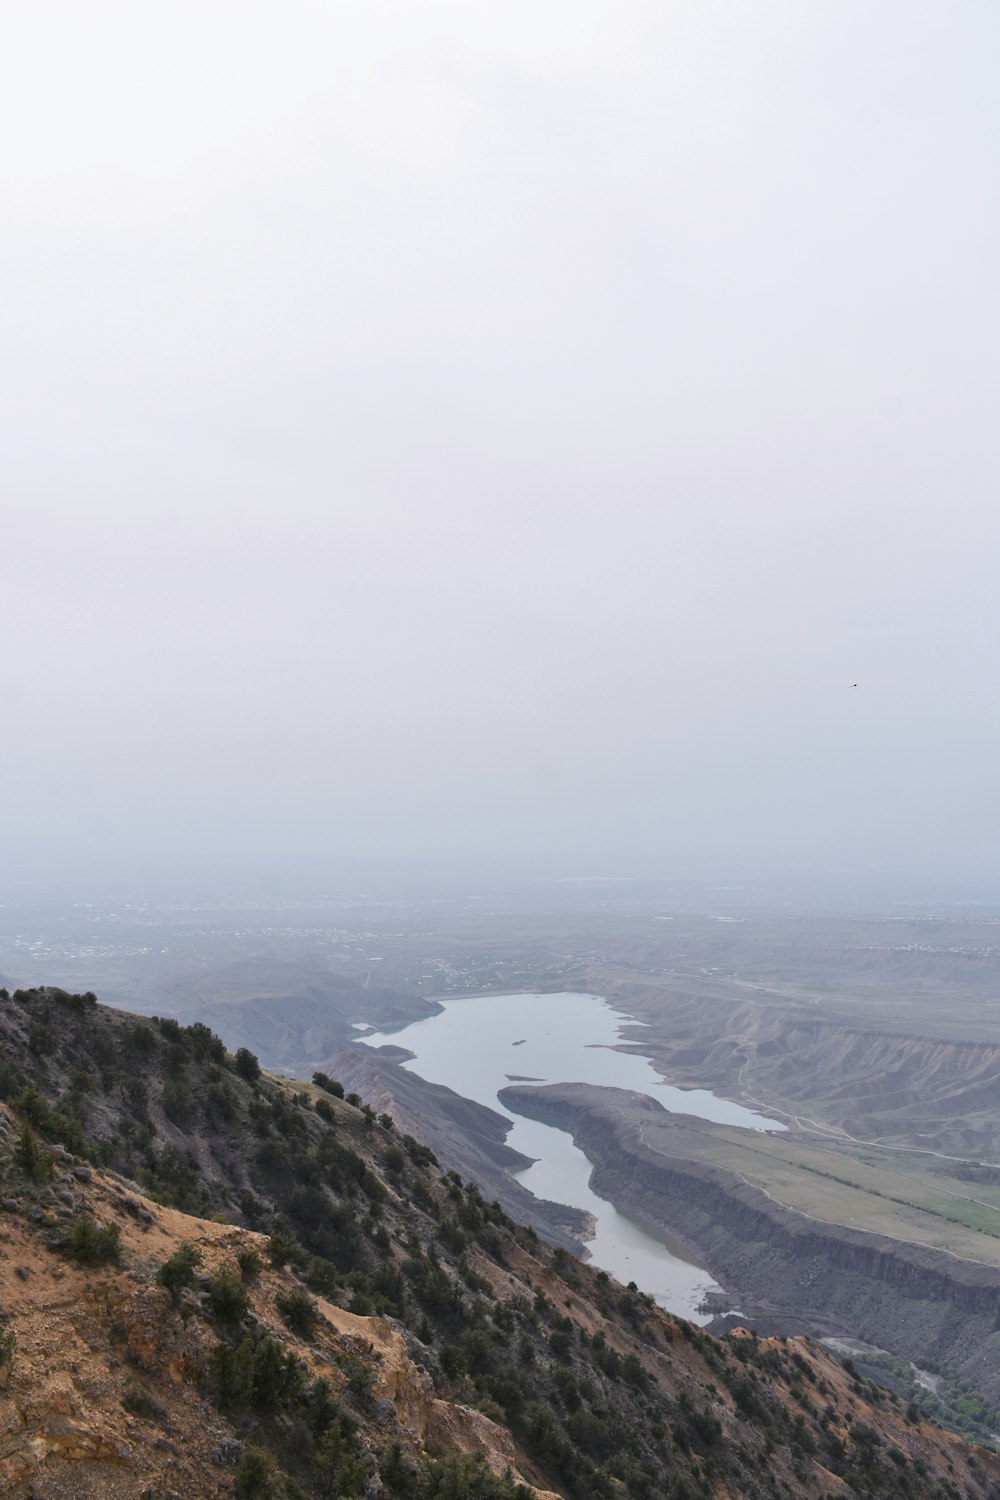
x: 479, y: 1044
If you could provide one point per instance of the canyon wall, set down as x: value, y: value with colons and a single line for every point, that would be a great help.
x: 788, y: 1271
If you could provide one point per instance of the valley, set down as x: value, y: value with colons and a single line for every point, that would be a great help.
x: 218, y: 1282
x: 870, y: 1033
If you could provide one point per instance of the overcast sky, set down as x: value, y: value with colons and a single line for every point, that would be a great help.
x: 501, y: 427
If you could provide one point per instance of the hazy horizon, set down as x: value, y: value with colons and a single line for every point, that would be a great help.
x: 500, y: 434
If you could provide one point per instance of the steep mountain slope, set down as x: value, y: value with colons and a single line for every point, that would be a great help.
x: 105, y: 1384
x: 465, y: 1135
x: 362, y: 1321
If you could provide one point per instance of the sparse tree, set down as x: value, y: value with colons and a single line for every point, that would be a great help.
x: 178, y: 1272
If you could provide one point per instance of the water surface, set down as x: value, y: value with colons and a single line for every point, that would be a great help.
x: 478, y: 1044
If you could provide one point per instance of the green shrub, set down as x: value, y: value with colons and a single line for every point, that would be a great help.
x: 178, y: 1272
x: 394, y: 1159
x: 227, y: 1297
x: 178, y: 1103
x: 276, y: 1377
x: 299, y: 1312
x: 397, y: 1470
x: 339, y: 1462
x: 140, y: 1041
x: 247, y: 1065
x: 360, y: 1378
x: 90, y: 1243
x: 231, y: 1374
x: 422, y: 1195
x: 250, y: 1263
x: 322, y: 1081
x: 35, y: 1162
x: 254, y: 1474
x: 422, y: 1155
x: 281, y: 1245
x: 456, y: 1477
x: 54, y: 1124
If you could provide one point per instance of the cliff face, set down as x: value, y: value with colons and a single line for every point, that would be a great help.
x: 889, y: 1084
x: 827, y: 1278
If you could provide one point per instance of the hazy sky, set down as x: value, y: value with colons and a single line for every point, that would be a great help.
x: 501, y: 427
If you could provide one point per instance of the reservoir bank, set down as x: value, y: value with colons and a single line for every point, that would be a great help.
x: 479, y: 1044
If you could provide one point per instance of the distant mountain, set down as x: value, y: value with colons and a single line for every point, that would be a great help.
x: 217, y: 1282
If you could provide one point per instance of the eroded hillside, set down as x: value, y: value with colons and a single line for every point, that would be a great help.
x: 364, y: 1323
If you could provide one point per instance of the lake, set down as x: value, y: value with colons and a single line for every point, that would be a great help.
x: 479, y: 1044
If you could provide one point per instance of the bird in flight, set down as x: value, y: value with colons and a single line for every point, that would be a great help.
x: 853, y: 684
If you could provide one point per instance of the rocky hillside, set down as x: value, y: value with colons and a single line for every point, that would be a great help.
x: 876, y: 1081
x: 215, y: 1282
x: 465, y: 1136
